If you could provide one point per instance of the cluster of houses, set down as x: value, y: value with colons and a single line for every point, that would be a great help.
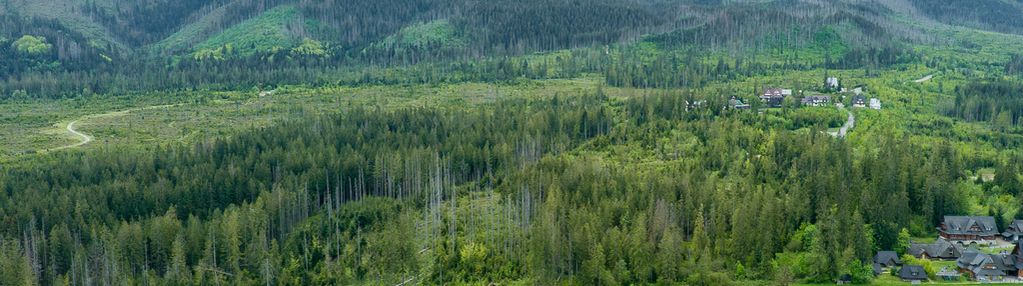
x: 959, y: 239
x: 774, y: 97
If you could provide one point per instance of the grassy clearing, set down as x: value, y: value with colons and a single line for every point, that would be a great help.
x: 262, y: 33
x: 190, y: 34
x: 439, y: 33
x: 29, y: 127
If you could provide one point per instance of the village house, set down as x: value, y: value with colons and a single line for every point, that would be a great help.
x: 816, y: 100
x: 1014, y: 231
x: 884, y: 260
x: 831, y: 83
x: 875, y: 104
x: 737, y: 103
x: 913, y: 273
x: 969, y: 229
x: 940, y: 249
x: 987, y: 267
x: 773, y: 97
x: 695, y: 104
x: 859, y: 101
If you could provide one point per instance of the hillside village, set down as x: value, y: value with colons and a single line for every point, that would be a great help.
x: 968, y: 248
x: 831, y: 93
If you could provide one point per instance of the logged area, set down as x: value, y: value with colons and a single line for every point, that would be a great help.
x: 535, y: 142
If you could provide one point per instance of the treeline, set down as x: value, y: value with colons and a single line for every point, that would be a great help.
x: 996, y: 102
x: 621, y: 67
x: 632, y: 68
x: 257, y: 72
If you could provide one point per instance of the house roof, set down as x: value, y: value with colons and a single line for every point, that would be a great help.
x: 972, y: 259
x: 813, y: 98
x: 1015, y: 227
x: 913, y: 272
x: 773, y: 92
x: 878, y: 269
x: 887, y: 258
x: 941, y: 248
x: 985, y: 225
x: 983, y: 264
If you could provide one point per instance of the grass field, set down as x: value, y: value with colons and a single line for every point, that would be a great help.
x: 28, y: 127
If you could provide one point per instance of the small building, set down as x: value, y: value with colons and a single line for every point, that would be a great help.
x: 948, y: 274
x: 816, y: 100
x: 736, y: 103
x: 831, y: 83
x: 695, y: 104
x: 940, y: 249
x: 1014, y: 231
x: 884, y: 260
x: 875, y: 104
x: 969, y: 229
x: 887, y: 258
x: 773, y: 97
x: 913, y: 273
x: 859, y: 101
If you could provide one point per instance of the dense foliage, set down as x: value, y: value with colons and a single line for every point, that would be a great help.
x: 995, y: 102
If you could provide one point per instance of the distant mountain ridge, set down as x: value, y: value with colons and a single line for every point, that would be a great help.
x: 97, y: 30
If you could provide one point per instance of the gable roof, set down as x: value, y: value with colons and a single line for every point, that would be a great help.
x: 985, y: 225
x: 887, y: 258
x: 773, y: 93
x: 983, y: 264
x: 1015, y: 226
x: 913, y: 272
x: 941, y: 248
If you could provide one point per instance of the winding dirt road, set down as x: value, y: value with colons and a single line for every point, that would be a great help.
x: 86, y: 138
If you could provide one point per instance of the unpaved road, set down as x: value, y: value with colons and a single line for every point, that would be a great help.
x: 849, y: 124
x: 86, y: 138
x: 924, y: 79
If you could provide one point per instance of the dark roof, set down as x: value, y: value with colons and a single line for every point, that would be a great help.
x: 972, y: 259
x: 983, y: 225
x: 887, y: 258
x: 1015, y: 227
x: 941, y: 248
x: 877, y: 269
x: 859, y: 98
x: 913, y: 272
x: 983, y: 264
